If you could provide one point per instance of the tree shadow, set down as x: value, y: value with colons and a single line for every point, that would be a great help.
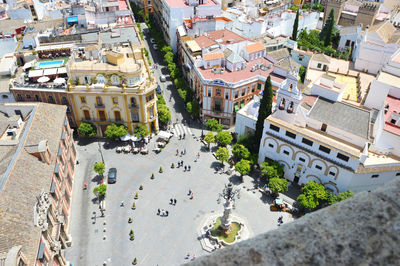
x: 84, y: 141
x: 215, y: 165
x: 204, y: 149
x: 97, y: 179
x: 112, y: 144
x: 235, y: 179
x: 266, y: 199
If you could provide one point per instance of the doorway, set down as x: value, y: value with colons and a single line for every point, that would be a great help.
x: 296, y: 180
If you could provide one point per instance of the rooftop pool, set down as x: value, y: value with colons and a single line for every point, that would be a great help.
x: 50, y: 64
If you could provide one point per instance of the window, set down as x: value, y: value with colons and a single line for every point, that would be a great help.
x: 270, y: 145
x: 51, y: 99
x: 115, y: 100
x: 86, y: 114
x: 319, y: 65
x: 209, y: 92
x: 64, y: 100
x: 149, y: 97
x: 19, y: 97
x: 100, y: 79
x: 301, y: 57
x: 133, y: 102
x: 117, y: 116
x: 347, y: 42
x: 135, y: 117
x: 318, y: 167
x: 274, y: 128
x: 301, y: 159
x: 332, y: 173
x: 131, y: 81
x: 236, y: 94
x: 4, y: 96
x: 290, y: 135
x: 37, y: 98
x: 324, y: 149
x: 253, y: 88
x: 99, y: 101
x: 393, y: 121
x: 66, y: 197
x: 115, y: 80
x: 243, y: 92
x: 151, y: 111
x: 102, y: 115
x: 323, y: 127
x: 218, y: 92
x: 259, y: 86
x: 397, y: 174
x: 28, y: 96
x: 285, y: 152
x: 86, y: 79
x: 227, y: 95
x: 342, y: 157
x: 374, y: 176
x: 307, y: 141
x: 83, y: 99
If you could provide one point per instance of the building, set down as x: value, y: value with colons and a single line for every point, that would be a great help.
x: 301, y: 57
x: 103, y: 14
x: 319, y: 137
x: 246, y: 118
x: 226, y: 70
x: 112, y: 84
x: 145, y: 5
x: 170, y: 14
x: 375, y: 47
x: 37, y: 174
x: 349, y: 36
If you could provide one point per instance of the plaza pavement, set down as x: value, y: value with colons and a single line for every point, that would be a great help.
x: 158, y: 240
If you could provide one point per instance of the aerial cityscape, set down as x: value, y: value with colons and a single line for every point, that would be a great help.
x: 199, y: 132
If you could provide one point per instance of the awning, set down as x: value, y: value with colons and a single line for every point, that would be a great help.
x: 50, y: 71
x: 59, y: 81
x: 35, y: 73
x: 72, y: 19
x: 28, y: 65
x: 278, y: 201
x: 61, y: 70
x: 164, y: 134
x: 43, y: 79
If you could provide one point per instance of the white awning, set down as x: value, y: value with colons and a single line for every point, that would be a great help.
x: 164, y: 134
x: 35, y: 73
x: 29, y: 65
x: 54, y: 47
x: 61, y: 70
x: 50, y: 71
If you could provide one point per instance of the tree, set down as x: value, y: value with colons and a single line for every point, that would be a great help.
x: 141, y: 131
x: 247, y: 140
x: 312, y: 196
x: 278, y: 185
x: 240, y: 151
x: 213, y: 125
x: 302, y: 73
x: 272, y: 169
x: 243, y: 167
x: 164, y: 114
x: 329, y: 29
x: 209, y: 138
x: 99, y: 168
x: 193, y: 108
x: 87, y: 130
x: 224, y: 138
x: 115, y: 132
x: 333, y: 198
x: 295, y: 26
x: 264, y: 111
x: 101, y: 190
x: 222, y: 154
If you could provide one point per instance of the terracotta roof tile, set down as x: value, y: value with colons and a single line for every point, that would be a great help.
x: 254, y: 47
x: 213, y: 56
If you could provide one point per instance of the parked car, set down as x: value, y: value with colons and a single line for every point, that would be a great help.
x: 158, y: 89
x: 163, y: 78
x: 152, y: 40
x: 155, y: 47
x: 112, y: 175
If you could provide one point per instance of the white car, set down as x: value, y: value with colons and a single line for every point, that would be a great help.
x: 152, y: 40
x: 155, y: 47
x: 163, y: 78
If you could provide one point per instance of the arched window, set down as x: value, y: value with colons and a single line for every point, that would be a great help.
x: 99, y: 101
x: 64, y: 100
x: 133, y: 102
x: 87, y: 79
x: 4, y: 96
x: 282, y: 104
x: 290, y: 108
x: 290, y: 87
x: 51, y: 99
x: 115, y: 80
x: 100, y: 79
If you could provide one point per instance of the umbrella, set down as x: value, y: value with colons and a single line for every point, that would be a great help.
x: 126, y: 137
x: 43, y: 79
x: 59, y: 81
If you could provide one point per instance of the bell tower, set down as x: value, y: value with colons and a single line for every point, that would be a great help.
x: 289, y: 97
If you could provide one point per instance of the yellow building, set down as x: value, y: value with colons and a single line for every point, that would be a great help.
x: 146, y: 5
x: 112, y: 85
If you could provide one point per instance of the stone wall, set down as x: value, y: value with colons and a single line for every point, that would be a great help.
x: 359, y: 231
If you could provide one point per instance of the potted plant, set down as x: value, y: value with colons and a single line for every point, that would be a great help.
x: 141, y: 187
x: 134, y: 262
x: 136, y: 196
x: 133, y: 206
x: 160, y: 170
x: 152, y: 176
x: 172, y: 165
x: 130, y: 220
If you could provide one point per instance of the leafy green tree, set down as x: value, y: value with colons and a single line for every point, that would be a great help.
x: 333, y: 198
x: 209, y: 138
x: 294, y: 7
x: 278, y: 185
x: 87, y: 130
x: 264, y: 111
x: 345, y: 195
x: 193, y: 108
x: 99, y: 168
x: 272, y: 169
x: 164, y: 114
x: 307, y: 6
x: 141, y: 131
x: 318, y: 7
x: 222, y: 154
x: 224, y: 138
x: 295, y: 26
x: 165, y: 49
x: 212, y: 124
x: 160, y: 100
x: 240, y: 151
x: 312, y: 196
x: 302, y: 73
x: 100, y: 190
x: 243, y: 167
x: 115, y: 132
x: 247, y: 140
x: 329, y: 29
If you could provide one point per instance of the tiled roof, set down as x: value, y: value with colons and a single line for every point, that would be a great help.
x: 235, y: 58
x: 213, y: 56
x: 27, y: 179
x: 204, y: 41
x: 321, y: 58
x: 385, y: 30
x: 393, y: 105
x: 279, y: 54
x: 219, y: 36
x: 348, y: 30
x: 254, y: 47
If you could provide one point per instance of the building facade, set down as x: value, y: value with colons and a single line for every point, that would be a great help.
x: 113, y: 86
x: 37, y: 145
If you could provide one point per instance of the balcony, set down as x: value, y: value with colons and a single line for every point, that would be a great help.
x: 96, y: 105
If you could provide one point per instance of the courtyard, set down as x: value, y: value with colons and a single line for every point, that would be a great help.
x: 158, y: 240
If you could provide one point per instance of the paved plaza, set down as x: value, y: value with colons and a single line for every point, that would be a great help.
x: 158, y: 240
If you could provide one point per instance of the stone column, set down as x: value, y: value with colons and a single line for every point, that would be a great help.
x: 226, y: 219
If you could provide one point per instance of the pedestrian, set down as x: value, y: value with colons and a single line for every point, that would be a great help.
x: 185, y: 168
x: 180, y: 137
x: 177, y: 152
x: 166, y: 213
x: 189, y: 167
x: 158, y: 213
x: 187, y: 256
x: 171, y: 201
x: 198, y: 155
x: 122, y: 203
x: 179, y: 164
x: 190, y: 192
x: 191, y: 196
x: 181, y: 153
x: 195, y: 160
x: 194, y: 257
x: 182, y: 162
x: 184, y: 135
x: 174, y: 201
x: 184, y: 151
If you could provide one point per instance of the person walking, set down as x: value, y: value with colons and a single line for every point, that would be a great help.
x: 122, y: 204
x: 177, y: 152
x: 171, y: 201
x: 158, y: 213
x: 189, y: 167
x: 185, y: 168
x: 180, y: 137
x: 182, y: 163
x: 184, y: 151
x: 191, y: 196
x: 166, y: 213
x: 190, y: 192
x: 174, y: 201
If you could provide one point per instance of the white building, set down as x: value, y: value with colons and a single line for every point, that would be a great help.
x: 376, y: 47
x: 349, y: 36
x: 246, y: 118
x: 104, y: 14
x: 320, y: 138
x: 172, y: 13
